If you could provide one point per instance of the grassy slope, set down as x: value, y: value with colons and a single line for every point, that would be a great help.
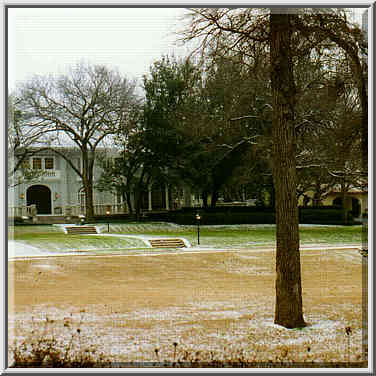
x: 245, y: 236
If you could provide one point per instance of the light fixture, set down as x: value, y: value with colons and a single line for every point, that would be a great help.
x: 198, y: 218
x: 108, y: 223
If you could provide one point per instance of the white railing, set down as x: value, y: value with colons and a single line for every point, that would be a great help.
x: 99, y: 209
x: 72, y: 210
x: 22, y: 211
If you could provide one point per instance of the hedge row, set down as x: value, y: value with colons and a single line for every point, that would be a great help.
x: 231, y: 215
x: 224, y: 218
x: 187, y: 216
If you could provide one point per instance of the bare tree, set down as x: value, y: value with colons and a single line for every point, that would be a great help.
x: 81, y: 109
x: 21, y: 142
x: 255, y: 36
x: 266, y: 36
x: 334, y: 30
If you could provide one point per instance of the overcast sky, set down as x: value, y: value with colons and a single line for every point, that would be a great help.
x: 50, y: 40
x: 43, y: 41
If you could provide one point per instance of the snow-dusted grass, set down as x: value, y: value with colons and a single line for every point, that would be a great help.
x: 193, y: 308
x: 62, y: 242
x: 206, y: 332
x: 244, y: 236
x: 211, y: 305
x: 236, y: 236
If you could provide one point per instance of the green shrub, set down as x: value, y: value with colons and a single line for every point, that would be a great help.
x: 232, y: 215
x: 221, y: 218
x: 321, y: 216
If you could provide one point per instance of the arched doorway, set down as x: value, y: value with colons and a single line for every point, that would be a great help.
x: 39, y: 195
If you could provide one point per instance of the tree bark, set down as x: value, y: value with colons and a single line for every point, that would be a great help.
x: 288, y: 307
x: 87, y: 181
x: 88, y: 187
x: 205, y: 199
x: 214, y: 199
x: 129, y: 201
x: 138, y: 199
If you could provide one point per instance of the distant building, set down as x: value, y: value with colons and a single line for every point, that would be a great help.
x: 59, y: 190
x: 355, y: 200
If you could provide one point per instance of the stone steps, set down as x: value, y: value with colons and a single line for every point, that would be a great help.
x: 167, y: 243
x: 80, y: 230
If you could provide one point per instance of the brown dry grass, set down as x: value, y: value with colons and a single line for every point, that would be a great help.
x: 211, y: 303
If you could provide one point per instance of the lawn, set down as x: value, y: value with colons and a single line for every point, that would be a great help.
x: 190, y: 308
x: 53, y: 241
x: 144, y: 308
x: 241, y: 236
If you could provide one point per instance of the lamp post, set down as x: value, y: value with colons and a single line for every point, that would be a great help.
x: 108, y: 220
x: 82, y: 219
x: 198, y: 217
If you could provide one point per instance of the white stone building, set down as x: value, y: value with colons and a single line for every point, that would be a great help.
x: 59, y: 190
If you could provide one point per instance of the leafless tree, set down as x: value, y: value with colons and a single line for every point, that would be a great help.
x: 21, y: 145
x: 334, y: 30
x: 267, y: 36
x: 279, y: 38
x: 82, y: 108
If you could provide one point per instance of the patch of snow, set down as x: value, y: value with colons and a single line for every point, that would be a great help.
x: 324, y: 324
x: 225, y: 314
x: 321, y: 324
x: 243, y: 256
x: 296, y: 341
x: 18, y: 250
x: 44, y: 266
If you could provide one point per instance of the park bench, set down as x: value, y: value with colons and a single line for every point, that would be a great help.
x: 80, y: 230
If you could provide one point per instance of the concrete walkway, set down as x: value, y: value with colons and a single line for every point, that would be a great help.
x: 19, y: 250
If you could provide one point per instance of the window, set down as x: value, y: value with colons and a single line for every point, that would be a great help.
x: 49, y: 163
x: 37, y: 163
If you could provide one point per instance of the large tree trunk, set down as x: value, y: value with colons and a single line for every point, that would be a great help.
x: 87, y: 174
x: 214, y: 199
x: 364, y: 103
x: 88, y: 186
x: 288, y: 307
x: 205, y: 199
x: 129, y: 201
x: 143, y: 181
x: 138, y: 204
x: 138, y: 193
